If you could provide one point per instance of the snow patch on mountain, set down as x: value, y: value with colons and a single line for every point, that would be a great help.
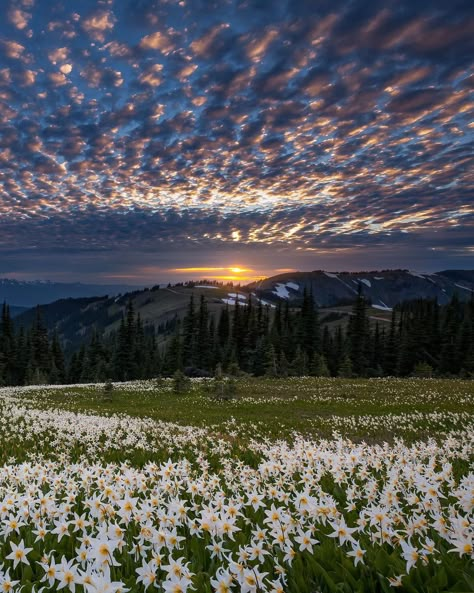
x: 281, y: 290
x: 233, y: 297
x: 202, y: 286
x: 267, y: 303
x: 464, y: 287
x: 382, y: 307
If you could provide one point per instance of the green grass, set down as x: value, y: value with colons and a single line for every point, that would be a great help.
x: 361, y: 409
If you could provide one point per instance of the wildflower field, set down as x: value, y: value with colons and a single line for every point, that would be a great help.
x: 299, y: 485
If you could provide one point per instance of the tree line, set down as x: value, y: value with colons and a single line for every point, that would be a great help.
x: 422, y: 339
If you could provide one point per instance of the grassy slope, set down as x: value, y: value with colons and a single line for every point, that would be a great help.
x: 315, y: 407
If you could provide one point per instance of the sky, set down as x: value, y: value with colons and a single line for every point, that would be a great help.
x: 151, y: 140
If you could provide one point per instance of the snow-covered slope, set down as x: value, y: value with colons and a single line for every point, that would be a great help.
x: 384, y: 289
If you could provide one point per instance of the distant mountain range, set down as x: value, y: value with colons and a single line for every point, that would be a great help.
x: 384, y: 289
x: 29, y: 294
x: 75, y: 318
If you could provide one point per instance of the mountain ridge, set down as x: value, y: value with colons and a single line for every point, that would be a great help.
x: 384, y: 288
x: 161, y: 306
x: 29, y: 293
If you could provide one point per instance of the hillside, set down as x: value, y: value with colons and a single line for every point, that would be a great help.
x: 383, y: 289
x: 75, y: 319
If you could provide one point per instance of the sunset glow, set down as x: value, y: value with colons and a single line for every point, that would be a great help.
x: 286, y: 135
x: 221, y: 274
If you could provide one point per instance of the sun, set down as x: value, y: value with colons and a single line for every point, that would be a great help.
x: 237, y: 270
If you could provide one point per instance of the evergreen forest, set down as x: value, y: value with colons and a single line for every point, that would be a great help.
x: 423, y: 339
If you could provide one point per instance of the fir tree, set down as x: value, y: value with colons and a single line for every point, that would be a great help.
x: 319, y: 367
x: 58, y: 368
x: 204, y: 347
x: 270, y: 364
x: 345, y: 368
x: 299, y: 366
x: 358, y: 335
x: 190, y: 331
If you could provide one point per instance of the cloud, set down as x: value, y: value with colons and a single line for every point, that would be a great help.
x: 152, y: 75
x: 98, y: 24
x: 290, y: 125
x: 207, y: 44
x: 59, y: 54
x: 19, y: 18
x: 12, y: 49
x: 258, y: 47
x: 157, y: 41
x: 98, y: 76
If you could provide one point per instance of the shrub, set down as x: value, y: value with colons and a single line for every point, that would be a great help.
x: 108, y: 386
x: 181, y: 383
x: 422, y: 370
x: 223, y: 388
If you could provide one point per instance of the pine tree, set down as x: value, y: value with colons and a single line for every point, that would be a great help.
x: 223, y: 328
x: 173, y: 359
x: 181, y: 383
x: 308, y: 326
x: 450, y: 355
x: 358, y: 335
x: 95, y: 361
x: 270, y: 364
x: 377, y: 345
x: 283, y: 366
x: 204, y: 345
x: 58, y: 370
x: 299, y: 366
x: 122, y: 353
x: 8, y: 353
x: 76, y: 366
x: 238, y: 332
x: 190, y: 331
x: 345, y: 368
x: 259, y: 358
x: 319, y: 367
x: 23, y: 359
x: 390, y: 359
x: 41, y: 363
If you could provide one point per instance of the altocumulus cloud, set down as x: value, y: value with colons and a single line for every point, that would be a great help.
x: 319, y: 129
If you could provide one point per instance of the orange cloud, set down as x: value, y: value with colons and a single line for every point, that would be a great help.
x: 159, y: 41
x: 98, y: 24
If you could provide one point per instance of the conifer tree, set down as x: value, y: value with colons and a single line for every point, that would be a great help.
x: 270, y: 363
x: 204, y: 347
x: 8, y: 353
x: 299, y: 366
x: 283, y: 366
x: 223, y: 327
x: 450, y: 355
x: 190, y: 330
x: 345, y: 368
x: 58, y: 370
x: 390, y: 358
x: 358, y: 334
x: 319, y: 367
x: 173, y: 359
x: 41, y: 365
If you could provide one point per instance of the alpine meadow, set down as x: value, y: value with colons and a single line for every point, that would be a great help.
x: 236, y: 296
